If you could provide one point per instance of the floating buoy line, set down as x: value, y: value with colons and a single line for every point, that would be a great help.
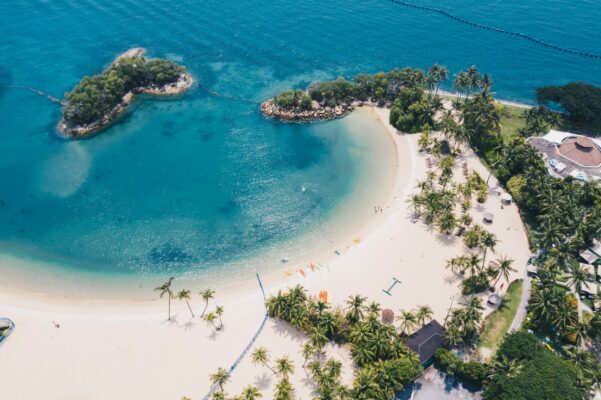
x: 498, y: 30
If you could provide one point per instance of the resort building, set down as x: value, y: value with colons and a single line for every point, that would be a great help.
x: 426, y: 341
x: 569, y: 154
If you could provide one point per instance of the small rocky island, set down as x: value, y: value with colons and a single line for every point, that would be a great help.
x: 410, y: 93
x: 97, y: 101
x: 308, y: 105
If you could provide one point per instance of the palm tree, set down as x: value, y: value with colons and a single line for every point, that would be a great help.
x: 210, y: 319
x: 473, y: 77
x: 416, y: 203
x: 283, y: 390
x: 365, y: 386
x: 298, y: 295
x: 577, y: 332
x: 488, y: 242
x: 457, y: 264
x: 424, y: 139
x: 472, y: 263
x: 220, y: 378
x: 560, y: 258
x: 327, y: 324
x: 284, y: 367
x: 486, y: 82
x: 363, y: 355
x: 307, y: 352
x: 504, y: 366
x: 207, y: 295
x: 261, y: 356
x: 359, y: 333
x: 219, y: 313
x: 550, y: 235
x: 318, y: 340
x: 578, y: 277
x: 407, y: 321
x: 447, y: 221
x: 504, y: 269
x: 219, y: 396
x: 423, y: 313
x: 184, y: 294
x: 565, y: 317
x: 251, y: 393
x: 453, y: 336
x: 374, y: 308
x: 165, y: 289
x: 471, y: 315
x: 355, y: 312
x: 544, y: 303
x: 277, y: 305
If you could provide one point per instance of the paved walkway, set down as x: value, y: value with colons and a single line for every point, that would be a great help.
x: 520, y: 315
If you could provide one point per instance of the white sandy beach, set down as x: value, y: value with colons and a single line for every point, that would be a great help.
x: 128, y: 350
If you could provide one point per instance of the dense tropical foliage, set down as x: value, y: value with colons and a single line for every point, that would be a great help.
x: 96, y: 95
x: 581, y: 101
x: 385, y: 364
x: 524, y: 369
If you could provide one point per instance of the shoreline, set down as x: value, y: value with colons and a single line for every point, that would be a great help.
x: 98, y: 290
x: 174, y: 89
x: 133, y: 337
x: 319, y: 113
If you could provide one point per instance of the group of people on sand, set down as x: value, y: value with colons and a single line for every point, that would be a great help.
x: 378, y: 209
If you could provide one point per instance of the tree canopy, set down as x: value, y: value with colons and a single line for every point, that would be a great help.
x: 542, y: 375
x: 581, y: 101
x: 95, y: 96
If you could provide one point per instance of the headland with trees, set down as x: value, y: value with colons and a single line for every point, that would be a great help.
x: 99, y: 100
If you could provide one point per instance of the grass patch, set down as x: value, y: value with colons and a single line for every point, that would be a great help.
x: 511, y: 121
x: 497, y: 323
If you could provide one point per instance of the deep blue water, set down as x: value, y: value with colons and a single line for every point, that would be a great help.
x: 203, y: 180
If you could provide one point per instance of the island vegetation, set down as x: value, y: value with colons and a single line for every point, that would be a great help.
x: 580, y: 101
x: 97, y: 100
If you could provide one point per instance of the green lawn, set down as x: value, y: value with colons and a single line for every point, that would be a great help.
x: 497, y: 323
x: 511, y: 121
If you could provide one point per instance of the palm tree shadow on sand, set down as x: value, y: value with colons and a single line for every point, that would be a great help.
x: 445, y: 239
x: 264, y: 381
x: 283, y: 329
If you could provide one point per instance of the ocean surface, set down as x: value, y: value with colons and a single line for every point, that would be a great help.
x: 201, y: 183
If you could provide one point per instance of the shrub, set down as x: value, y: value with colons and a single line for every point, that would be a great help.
x: 475, y: 284
x: 411, y: 111
x: 447, y: 361
x: 516, y: 185
x: 520, y: 346
x: 293, y: 99
x: 471, y: 372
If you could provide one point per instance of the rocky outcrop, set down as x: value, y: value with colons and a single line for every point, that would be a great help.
x: 316, y: 113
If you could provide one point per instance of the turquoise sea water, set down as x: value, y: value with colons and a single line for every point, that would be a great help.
x: 190, y: 184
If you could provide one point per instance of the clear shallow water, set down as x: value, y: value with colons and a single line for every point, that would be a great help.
x: 190, y: 184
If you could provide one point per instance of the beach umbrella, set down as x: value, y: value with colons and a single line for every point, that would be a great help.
x: 387, y: 316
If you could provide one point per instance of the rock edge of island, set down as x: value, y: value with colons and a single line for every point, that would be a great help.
x: 316, y: 113
x: 173, y: 89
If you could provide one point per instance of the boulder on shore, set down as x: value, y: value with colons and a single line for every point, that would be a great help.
x: 316, y: 113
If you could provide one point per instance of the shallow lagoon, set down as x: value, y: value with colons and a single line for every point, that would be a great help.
x: 189, y: 185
